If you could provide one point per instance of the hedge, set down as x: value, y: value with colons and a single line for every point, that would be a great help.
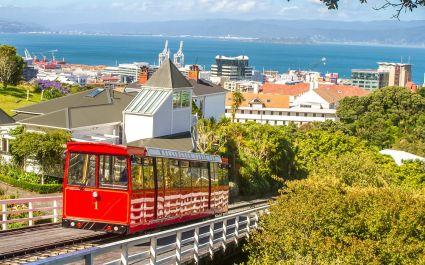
x: 39, y: 188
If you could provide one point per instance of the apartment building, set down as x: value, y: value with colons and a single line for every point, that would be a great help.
x: 369, y: 79
x: 231, y: 68
x: 399, y: 74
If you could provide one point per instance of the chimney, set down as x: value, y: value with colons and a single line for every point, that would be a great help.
x: 194, y: 72
x: 144, y: 75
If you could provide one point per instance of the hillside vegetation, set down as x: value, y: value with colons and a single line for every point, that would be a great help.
x: 340, y: 201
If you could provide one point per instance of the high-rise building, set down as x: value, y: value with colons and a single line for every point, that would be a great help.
x: 231, y: 68
x: 369, y: 79
x: 399, y: 73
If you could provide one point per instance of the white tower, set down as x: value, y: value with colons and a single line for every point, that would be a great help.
x: 179, y: 56
x: 164, y: 55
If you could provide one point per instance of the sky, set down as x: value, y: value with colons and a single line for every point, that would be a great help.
x: 64, y: 12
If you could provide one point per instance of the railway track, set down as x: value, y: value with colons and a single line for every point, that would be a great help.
x: 38, y: 242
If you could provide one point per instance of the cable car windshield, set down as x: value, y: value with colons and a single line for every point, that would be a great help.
x: 82, y: 170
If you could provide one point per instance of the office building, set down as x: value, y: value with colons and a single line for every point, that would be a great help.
x: 369, y: 79
x: 231, y: 68
x: 399, y: 73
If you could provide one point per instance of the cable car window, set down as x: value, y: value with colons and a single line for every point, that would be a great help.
x: 113, y: 172
x: 223, y: 178
x: 148, y: 177
x: 204, y: 174
x: 174, y: 173
x: 186, y: 180
x: 166, y: 172
x: 82, y: 170
x: 214, y: 177
x: 196, y: 174
x: 160, y: 173
x: 137, y: 173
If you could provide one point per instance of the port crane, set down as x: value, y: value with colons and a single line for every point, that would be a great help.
x: 165, y: 54
x: 179, y: 56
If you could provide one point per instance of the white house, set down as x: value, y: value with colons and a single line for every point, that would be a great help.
x: 210, y: 98
x: 162, y: 107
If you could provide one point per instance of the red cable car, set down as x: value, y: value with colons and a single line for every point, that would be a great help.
x: 123, y: 189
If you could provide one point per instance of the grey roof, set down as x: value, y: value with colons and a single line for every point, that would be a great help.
x: 70, y: 117
x: 148, y: 101
x: 178, y: 142
x: 21, y: 116
x: 134, y: 85
x: 5, y: 118
x: 74, y: 100
x: 168, y: 76
x: 202, y: 87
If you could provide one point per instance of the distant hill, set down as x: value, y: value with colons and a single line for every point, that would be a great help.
x: 375, y: 32
x: 17, y: 27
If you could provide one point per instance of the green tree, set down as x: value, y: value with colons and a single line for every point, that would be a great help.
x: 327, y: 222
x: 385, y: 117
x: 45, y: 148
x: 237, y: 99
x: 11, y: 65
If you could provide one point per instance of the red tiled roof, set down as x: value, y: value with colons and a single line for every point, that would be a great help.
x: 268, y: 100
x: 334, y: 93
x: 284, y: 89
x: 411, y: 86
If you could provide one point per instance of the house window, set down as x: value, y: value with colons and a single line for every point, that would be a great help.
x: 264, y: 112
x: 250, y: 112
x: 271, y: 112
x: 242, y: 111
x: 280, y: 113
x: 275, y: 122
x: 305, y: 114
x: 323, y: 115
x: 297, y: 114
x: 181, y: 99
x: 314, y: 114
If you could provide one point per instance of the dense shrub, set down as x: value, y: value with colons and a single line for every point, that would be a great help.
x: 39, y: 188
x: 327, y: 222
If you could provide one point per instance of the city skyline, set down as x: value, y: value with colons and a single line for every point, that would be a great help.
x: 65, y: 12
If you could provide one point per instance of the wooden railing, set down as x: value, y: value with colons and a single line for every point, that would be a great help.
x: 30, y: 210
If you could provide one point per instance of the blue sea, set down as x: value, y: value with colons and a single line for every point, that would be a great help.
x: 110, y: 50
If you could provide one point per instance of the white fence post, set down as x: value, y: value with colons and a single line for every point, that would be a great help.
x: 30, y: 214
x: 236, y: 229
x: 55, y: 211
x: 152, y: 259
x: 256, y: 220
x: 4, y: 215
x: 88, y: 259
x: 178, y: 247
x: 124, y: 254
x: 248, y: 224
x: 211, y: 243
x: 223, y: 242
x: 196, y: 245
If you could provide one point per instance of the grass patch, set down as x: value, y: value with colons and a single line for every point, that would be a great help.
x: 14, y: 97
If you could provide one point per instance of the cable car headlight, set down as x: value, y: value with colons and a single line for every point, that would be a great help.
x: 72, y: 224
x: 94, y: 194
